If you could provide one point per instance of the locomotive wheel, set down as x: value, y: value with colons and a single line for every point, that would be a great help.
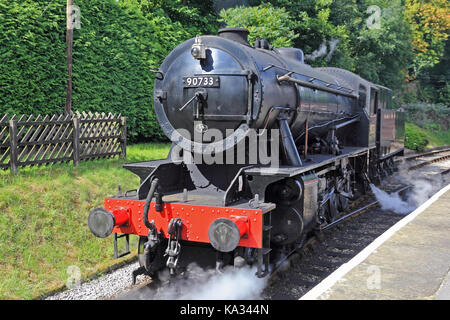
x: 289, y: 192
x: 361, y: 186
x: 300, y: 242
x: 332, y: 211
x: 141, y: 257
x: 393, y: 165
x: 342, y: 203
x: 322, y: 214
x: 375, y: 175
x: 287, y: 226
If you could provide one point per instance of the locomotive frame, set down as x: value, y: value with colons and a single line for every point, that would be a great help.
x: 337, y: 135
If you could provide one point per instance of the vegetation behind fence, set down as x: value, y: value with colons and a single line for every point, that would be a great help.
x: 43, y: 140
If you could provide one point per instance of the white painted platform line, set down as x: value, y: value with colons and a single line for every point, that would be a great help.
x: 329, y: 281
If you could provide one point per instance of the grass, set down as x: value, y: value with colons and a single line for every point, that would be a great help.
x: 43, y: 221
x: 419, y: 139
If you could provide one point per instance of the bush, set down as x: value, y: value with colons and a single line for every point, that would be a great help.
x: 417, y: 138
x: 414, y: 138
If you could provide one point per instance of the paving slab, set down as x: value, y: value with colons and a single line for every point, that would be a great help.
x: 413, y: 263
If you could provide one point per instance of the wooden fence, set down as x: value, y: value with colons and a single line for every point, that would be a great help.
x: 43, y: 140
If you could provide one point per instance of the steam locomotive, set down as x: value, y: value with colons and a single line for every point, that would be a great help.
x: 221, y: 198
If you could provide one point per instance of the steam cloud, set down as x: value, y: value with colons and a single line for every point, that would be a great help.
x: 391, y: 201
x: 422, y: 189
x: 200, y: 284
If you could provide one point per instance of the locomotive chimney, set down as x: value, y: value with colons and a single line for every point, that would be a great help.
x: 235, y: 34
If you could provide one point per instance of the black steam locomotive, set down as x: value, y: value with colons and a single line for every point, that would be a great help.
x: 265, y: 150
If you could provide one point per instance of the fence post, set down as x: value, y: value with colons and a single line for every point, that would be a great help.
x: 76, y: 141
x: 13, y: 145
x: 124, y: 137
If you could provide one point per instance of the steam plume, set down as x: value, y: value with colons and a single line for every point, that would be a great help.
x: 422, y: 189
x: 200, y: 284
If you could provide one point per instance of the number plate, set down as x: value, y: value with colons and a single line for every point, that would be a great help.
x: 201, y: 81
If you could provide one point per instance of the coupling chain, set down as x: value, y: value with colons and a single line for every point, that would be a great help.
x: 173, y: 246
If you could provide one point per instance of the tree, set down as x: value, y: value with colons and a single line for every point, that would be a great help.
x: 430, y: 22
x: 323, y: 42
x: 263, y: 22
x: 337, y: 33
x: 383, y: 53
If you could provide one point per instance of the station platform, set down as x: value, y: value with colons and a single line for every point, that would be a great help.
x: 410, y: 261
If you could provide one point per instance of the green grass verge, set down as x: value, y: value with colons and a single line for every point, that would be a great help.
x: 43, y: 221
x: 419, y: 139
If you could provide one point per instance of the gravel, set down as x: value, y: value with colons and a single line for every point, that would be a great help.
x: 105, y: 287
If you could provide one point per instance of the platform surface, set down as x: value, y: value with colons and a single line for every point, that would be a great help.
x: 411, y: 262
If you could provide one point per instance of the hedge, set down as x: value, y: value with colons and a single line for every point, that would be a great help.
x: 113, y: 52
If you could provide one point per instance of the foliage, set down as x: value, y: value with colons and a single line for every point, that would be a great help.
x: 427, y: 125
x: 434, y: 82
x: 414, y: 138
x: 263, y: 22
x: 188, y: 17
x: 120, y: 41
x: 383, y: 54
x: 32, y: 55
x: 317, y: 36
x: 115, y: 48
x: 423, y: 115
x: 417, y: 138
x: 336, y: 33
x: 430, y: 21
x: 443, y: 94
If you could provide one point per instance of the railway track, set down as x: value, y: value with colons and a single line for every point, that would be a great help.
x: 426, y: 158
x: 431, y: 152
x: 361, y: 206
x: 320, y: 256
